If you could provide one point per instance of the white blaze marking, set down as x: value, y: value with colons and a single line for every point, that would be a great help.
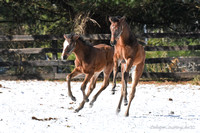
x: 65, y: 44
x: 112, y: 27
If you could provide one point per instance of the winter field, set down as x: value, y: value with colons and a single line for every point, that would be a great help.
x: 44, y: 107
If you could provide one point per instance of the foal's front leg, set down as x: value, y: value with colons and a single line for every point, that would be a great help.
x: 92, y: 84
x: 84, y: 84
x: 90, y: 89
x: 123, y: 89
x: 74, y: 73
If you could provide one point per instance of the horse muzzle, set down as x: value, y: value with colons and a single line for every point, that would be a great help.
x: 63, y: 57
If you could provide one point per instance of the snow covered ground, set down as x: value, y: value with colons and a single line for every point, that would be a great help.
x: 44, y: 107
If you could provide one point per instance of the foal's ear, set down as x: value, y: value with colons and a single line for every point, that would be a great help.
x: 122, y: 19
x: 65, y: 36
x: 110, y: 19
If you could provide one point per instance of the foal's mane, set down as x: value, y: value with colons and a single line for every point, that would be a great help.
x: 132, y: 38
x: 80, y: 38
x: 84, y: 41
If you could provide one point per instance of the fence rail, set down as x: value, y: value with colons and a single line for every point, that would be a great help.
x: 147, y: 48
x: 71, y: 62
x: 26, y: 38
x: 55, y: 63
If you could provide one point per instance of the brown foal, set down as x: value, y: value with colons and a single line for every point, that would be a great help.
x: 90, y: 60
x: 130, y: 54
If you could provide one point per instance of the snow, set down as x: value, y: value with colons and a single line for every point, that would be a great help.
x: 44, y: 107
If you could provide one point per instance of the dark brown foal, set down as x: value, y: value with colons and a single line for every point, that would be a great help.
x: 90, y: 60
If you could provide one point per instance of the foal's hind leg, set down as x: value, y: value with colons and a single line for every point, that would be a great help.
x: 135, y: 78
x: 107, y: 72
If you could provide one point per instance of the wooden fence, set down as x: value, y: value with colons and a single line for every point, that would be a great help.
x: 55, y: 63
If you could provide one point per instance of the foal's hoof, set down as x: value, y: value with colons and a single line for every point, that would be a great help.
x: 86, y: 100
x: 76, y: 110
x: 113, y: 91
x: 125, y: 102
x: 91, y: 104
x: 126, y: 114
x: 73, y: 98
x: 117, y: 111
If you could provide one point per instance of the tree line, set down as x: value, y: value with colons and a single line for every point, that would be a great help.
x: 91, y: 16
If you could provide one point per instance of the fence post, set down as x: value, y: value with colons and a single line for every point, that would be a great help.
x: 54, y: 45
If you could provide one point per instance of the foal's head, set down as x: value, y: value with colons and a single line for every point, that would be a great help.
x: 116, y: 28
x: 69, y: 45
